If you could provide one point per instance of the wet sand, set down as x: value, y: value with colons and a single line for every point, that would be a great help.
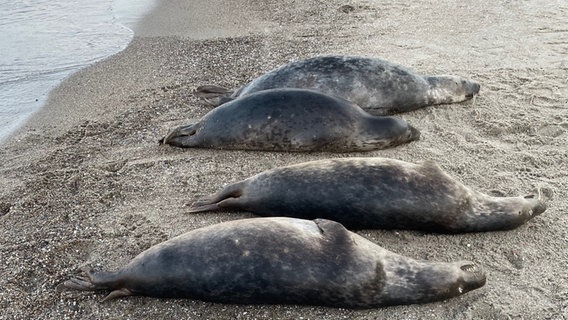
x: 85, y: 183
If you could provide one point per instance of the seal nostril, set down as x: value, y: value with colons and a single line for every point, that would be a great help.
x: 531, y: 196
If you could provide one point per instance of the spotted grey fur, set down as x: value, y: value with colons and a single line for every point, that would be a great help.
x: 282, y: 261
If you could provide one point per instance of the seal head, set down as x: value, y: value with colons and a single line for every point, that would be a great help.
x: 450, y: 89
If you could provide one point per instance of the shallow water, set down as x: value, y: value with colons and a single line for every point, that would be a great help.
x: 42, y: 42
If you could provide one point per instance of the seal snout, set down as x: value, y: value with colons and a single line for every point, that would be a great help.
x: 472, y: 89
x: 475, y: 87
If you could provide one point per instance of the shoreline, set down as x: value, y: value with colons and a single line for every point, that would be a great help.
x: 86, y: 184
x: 64, y: 44
x: 161, y: 21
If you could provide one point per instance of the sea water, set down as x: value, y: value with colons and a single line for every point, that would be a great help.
x: 44, y: 41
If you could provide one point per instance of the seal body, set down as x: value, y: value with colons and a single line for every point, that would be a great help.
x: 363, y: 193
x: 282, y: 261
x: 378, y: 86
x: 292, y: 120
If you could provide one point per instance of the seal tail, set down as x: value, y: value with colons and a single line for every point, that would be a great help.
x: 226, y: 198
x: 213, y: 95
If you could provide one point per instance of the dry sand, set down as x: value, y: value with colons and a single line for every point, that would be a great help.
x: 86, y: 184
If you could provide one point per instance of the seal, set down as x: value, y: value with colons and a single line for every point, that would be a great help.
x: 365, y: 193
x: 282, y: 261
x: 378, y: 86
x: 292, y: 120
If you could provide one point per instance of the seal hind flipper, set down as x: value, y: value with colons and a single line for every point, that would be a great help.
x: 213, y: 95
x: 217, y: 101
x: 473, y: 276
x: 226, y: 198
x: 117, y: 294
x: 211, y: 89
x: 80, y: 283
x: 86, y: 281
x: 95, y: 281
x: 178, y: 134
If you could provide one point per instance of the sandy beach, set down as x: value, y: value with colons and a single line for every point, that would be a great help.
x: 85, y: 182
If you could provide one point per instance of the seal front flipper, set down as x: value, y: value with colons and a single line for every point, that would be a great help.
x: 336, y: 233
x: 329, y: 226
x: 229, y: 197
